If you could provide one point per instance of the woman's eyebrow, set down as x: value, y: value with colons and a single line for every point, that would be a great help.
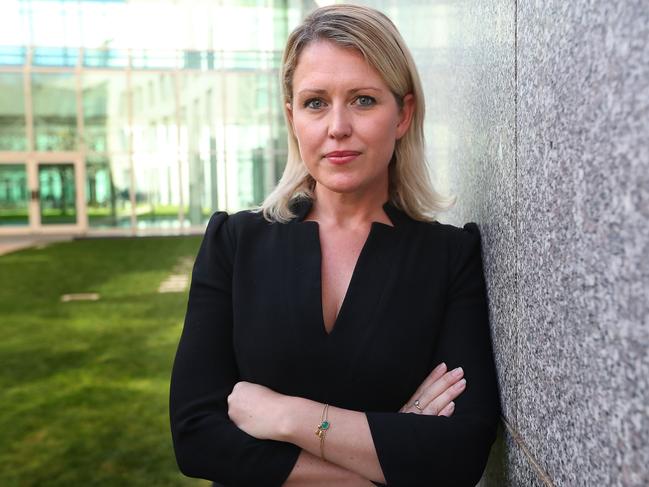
x: 312, y: 90
x: 365, y: 88
x: 323, y: 92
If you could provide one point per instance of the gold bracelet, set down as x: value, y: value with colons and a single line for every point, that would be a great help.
x: 322, y: 429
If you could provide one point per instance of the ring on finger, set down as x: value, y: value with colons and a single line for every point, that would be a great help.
x: 416, y: 404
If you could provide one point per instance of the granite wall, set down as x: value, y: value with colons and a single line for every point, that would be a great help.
x: 582, y: 242
x: 538, y: 120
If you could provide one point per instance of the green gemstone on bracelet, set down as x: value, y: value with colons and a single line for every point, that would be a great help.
x: 324, y: 425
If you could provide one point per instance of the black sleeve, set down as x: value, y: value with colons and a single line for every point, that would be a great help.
x: 207, y: 444
x: 420, y: 450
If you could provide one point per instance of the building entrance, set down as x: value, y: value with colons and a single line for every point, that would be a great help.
x: 43, y: 194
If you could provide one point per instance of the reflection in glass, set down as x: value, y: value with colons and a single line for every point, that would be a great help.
x: 199, y: 177
x: 258, y: 175
x: 157, y: 197
x: 12, y: 112
x: 12, y: 55
x: 104, y: 117
x: 57, y: 194
x: 206, y: 108
x: 249, y: 60
x: 14, y: 195
x: 55, y: 111
x: 251, y: 174
x: 155, y: 150
x: 105, y: 58
x: 154, y: 59
x: 55, y: 56
x: 107, y: 194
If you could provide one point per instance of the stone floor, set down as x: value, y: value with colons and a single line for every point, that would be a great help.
x: 13, y: 243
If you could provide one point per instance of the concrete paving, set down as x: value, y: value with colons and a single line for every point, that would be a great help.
x: 13, y: 243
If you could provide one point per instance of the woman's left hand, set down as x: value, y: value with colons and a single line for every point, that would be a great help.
x: 436, y: 394
x: 257, y: 410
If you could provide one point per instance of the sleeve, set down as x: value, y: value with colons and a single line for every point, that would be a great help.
x: 425, y: 450
x: 207, y: 443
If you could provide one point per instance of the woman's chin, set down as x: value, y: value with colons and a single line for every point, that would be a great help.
x: 341, y: 187
x: 346, y: 184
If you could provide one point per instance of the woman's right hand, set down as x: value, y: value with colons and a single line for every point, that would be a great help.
x: 435, y: 395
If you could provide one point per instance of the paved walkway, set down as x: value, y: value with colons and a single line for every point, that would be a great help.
x: 11, y: 244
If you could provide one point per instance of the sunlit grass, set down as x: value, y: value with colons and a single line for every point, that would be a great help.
x: 84, y: 385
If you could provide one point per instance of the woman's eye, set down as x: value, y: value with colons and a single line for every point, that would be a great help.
x: 314, y: 103
x: 365, y: 101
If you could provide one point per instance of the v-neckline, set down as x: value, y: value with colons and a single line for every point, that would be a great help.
x: 353, y: 277
x: 368, y: 271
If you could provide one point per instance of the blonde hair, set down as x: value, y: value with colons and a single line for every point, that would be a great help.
x: 378, y: 40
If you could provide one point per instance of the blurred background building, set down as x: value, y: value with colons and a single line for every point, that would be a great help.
x: 137, y: 114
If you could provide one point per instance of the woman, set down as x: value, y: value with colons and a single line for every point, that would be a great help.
x: 327, y: 336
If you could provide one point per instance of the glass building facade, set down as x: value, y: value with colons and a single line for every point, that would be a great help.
x: 134, y: 115
x: 148, y: 115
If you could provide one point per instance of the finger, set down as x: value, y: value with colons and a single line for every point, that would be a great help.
x: 441, y: 385
x: 435, y: 374
x: 435, y: 406
x: 448, y: 410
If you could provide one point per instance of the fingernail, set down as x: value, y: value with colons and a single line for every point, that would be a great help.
x: 457, y: 372
x: 440, y: 367
x: 451, y: 405
x: 460, y: 384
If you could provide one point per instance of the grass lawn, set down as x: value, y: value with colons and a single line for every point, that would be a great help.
x: 84, y: 385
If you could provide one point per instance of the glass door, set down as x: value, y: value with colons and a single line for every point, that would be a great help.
x: 57, y: 194
x: 14, y: 195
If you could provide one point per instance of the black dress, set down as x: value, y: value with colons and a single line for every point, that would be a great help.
x: 416, y: 298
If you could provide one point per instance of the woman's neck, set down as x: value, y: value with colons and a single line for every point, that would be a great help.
x: 348, y: 210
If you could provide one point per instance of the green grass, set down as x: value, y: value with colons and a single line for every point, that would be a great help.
x: 84, y: 385
x: 14, y: 217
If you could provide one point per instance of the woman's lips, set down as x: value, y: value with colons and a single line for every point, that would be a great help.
x: 342, y: 156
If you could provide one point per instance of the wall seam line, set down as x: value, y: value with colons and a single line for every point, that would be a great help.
x: 516, y: 227
x: 545, y: 478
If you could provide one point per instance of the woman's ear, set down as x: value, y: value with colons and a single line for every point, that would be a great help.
x: 289, y: 114
x: 406, y: 114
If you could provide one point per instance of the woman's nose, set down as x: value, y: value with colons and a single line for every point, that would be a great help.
x: 340, y: 123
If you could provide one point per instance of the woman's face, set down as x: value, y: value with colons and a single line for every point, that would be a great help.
x: 345, y: 118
